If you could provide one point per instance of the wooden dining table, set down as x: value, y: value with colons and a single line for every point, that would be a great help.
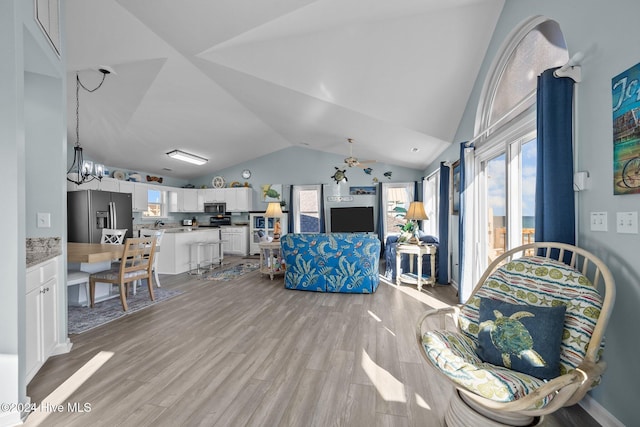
x: 89, y: 253
x: 92, y: 258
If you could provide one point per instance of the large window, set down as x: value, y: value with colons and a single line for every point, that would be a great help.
x: 506, y: 152
x: 509, y: 179
x: 155, y: 204
x: 306, y: 208
x: 396, y: 198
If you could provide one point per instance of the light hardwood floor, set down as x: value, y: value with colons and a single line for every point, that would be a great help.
x: 249, y: 352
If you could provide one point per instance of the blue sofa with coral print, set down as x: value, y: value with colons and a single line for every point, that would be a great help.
x: 335, y: 262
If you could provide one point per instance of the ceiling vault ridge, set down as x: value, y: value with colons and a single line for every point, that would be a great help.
x: 237, y: 39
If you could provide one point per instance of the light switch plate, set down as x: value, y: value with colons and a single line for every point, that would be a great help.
x: 44, y: 220
x: 598, y: 221
x: 627, y: 222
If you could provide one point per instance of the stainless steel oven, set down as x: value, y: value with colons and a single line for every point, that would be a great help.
x: 215, y: 208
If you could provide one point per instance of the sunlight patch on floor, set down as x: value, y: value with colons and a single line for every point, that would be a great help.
x: 55, y: 402
x: 423, y: 297
x: 372, y: 314
x: 421, y: 402
x: 386, y: 384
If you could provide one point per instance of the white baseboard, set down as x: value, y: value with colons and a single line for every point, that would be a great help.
x: 599, y: 413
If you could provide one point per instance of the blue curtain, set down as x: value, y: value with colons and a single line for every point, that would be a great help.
x: 292, y: 213
x: 322, y: 227
x: 555, y: 204
x: 381, y: 214
x: 443, y: 227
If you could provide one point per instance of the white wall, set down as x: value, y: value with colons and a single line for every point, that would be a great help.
x: 12, y: 254
x: 32, y: 123
x: 609, y: 34
x: 299, y: 165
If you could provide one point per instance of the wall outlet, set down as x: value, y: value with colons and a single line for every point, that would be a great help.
x: 44, y: 220
x: 627, y: 222
x: 598, y: 221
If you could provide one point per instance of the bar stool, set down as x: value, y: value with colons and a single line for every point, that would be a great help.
x: 213, y: 259
x: 198, y: 259
x: 77, y: 277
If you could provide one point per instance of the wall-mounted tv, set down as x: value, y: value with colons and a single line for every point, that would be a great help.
x: 352, y: 219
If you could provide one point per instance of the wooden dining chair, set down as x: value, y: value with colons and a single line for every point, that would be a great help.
x: 158, y: 234
x: 136, y: 264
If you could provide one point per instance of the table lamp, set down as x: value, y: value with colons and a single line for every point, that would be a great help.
x: 416, y: 213
x: 273, y: 211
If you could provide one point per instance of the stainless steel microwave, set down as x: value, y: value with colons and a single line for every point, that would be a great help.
x: 215, y: 208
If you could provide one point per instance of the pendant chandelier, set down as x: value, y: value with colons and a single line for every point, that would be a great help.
x: 81, y: 170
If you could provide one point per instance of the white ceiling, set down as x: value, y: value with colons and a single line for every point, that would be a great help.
x: 232, y: 80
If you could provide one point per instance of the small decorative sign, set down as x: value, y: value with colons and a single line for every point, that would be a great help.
x: 625, y: 91
x: 340, y: 198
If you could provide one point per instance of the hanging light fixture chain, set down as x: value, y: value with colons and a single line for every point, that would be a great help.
x: 80, y: 175
x: 77, y: 110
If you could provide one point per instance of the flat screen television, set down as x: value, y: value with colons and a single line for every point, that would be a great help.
x: 354, y: 219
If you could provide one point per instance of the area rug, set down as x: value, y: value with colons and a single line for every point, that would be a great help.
x: 233, y: 272
x: 82, y: 319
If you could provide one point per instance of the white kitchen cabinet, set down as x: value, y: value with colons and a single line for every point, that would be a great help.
x: 185, y: 200
x: 41, y: 318
x: 127, y: 187
x: 139, y: 196
x: 212, y: 195
x: 236, y: 240
x: 192, y: 202
x: 239, y: 199
x: 109, y: 184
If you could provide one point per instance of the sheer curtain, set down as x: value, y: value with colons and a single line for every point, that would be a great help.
x: 554, y: 211
x: 467, y: 237
x: 430, y: 197
x: 393, y: 194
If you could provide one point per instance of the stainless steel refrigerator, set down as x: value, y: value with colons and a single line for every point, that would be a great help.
x: 89, y: 211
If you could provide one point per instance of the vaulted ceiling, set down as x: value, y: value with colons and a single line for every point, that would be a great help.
x: 232, y: 80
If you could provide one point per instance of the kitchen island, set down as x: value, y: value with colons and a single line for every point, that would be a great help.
x: 175, y: 253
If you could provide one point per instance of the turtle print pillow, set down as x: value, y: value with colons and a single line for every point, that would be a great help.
x: 521, y: 337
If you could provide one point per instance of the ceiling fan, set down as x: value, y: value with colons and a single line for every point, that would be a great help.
x: 353, y: 161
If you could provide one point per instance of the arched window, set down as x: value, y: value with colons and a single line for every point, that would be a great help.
x: 506, y: 149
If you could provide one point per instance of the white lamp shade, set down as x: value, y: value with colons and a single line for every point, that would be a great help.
x: 273, y: 210
x: 416, y: 211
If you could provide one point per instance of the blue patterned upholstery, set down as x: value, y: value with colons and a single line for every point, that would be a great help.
x: 336, y: 262
x: 532, y: 281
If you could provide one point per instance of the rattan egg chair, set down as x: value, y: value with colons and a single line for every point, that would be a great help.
x: 529, y: 339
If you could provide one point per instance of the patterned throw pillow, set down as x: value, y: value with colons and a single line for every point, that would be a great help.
x: 524, y: 338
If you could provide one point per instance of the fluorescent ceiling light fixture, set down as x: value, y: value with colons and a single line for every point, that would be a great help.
x: 187, y: 157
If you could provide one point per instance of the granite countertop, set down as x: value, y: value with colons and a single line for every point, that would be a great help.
x: 41, y: 249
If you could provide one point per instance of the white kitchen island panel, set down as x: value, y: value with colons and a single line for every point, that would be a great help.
x: 174, y: 255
